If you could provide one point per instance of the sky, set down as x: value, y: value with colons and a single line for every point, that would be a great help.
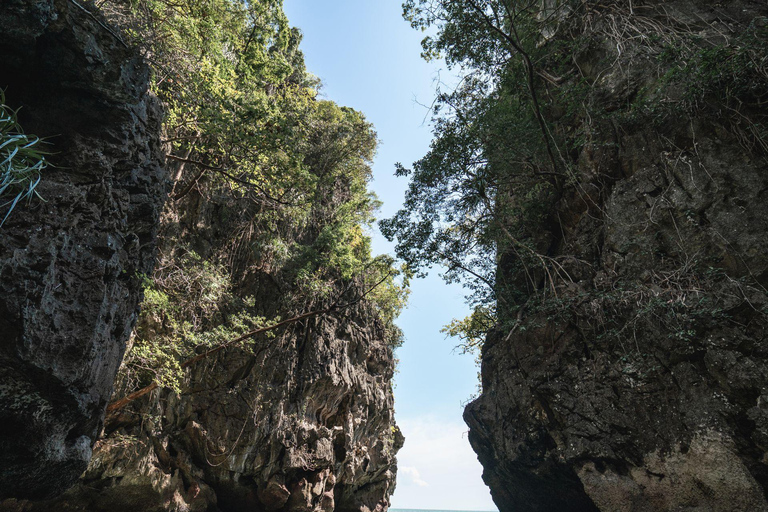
x: 368, y: 58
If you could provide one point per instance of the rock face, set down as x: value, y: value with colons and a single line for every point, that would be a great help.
x: 299, y: 421
x: 643, y: 385
x: 302, y: 422
x: 70, y: 266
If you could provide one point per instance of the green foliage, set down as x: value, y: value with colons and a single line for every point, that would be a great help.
x: 339, y: 147
x: 484, y: 187
x: 730, y: 78
x: 244, y: 123
x: 466, y: 30
x: 278, y: 178
x: 471, y: 330
x: 736, y: 71
x: 389, y: 290
x: 725, y: 81
x: 508, y: 140
x: 182, y: 313
x: 21, y: 161
x: 237, y: 96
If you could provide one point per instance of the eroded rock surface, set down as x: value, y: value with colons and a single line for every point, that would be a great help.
x: 303, y: 423
x: 640, y: 384
x: 70, y: 265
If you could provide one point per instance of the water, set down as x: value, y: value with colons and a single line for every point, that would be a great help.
x: 425, y: 510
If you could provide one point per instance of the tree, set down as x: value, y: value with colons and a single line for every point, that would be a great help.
x: 505, y: 159
x: 269, y: 188
x: 481, y: 191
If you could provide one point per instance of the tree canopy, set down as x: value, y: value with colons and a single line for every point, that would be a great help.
x: 490, y: 141
x: 270, y: 184
x: 484, y: 201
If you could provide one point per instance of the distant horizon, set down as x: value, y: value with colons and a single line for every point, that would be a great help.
x: 440, y: 509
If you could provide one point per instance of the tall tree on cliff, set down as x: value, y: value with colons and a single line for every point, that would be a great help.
x: 495, y: 163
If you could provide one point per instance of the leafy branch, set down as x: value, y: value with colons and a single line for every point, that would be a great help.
x: 513, y: 40
x: 21, y: 160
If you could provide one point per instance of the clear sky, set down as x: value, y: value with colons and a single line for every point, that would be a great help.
x: 368, y: 59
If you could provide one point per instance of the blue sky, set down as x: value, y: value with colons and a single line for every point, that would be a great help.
x: 368, y: 59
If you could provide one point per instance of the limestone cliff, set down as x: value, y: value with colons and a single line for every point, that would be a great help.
x: 69, y: 290
x: 301, y: 423
x: 298, y: 419
x: 638, y: 382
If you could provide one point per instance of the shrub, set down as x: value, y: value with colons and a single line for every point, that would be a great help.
x: 21, y: 161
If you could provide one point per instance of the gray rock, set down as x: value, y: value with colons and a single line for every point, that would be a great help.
x: 70, y: 265
x: 300, y: 424
x: 641, y: 387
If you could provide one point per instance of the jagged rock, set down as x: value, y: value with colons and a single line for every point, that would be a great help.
x: 305, y: 427
x: 70, y: 265
x: 304, y: 421
x: 643, y: 389
x: 274, y: 495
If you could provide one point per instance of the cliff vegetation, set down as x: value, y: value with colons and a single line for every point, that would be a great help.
x: 258, y: 373
x: 596, y: 181
x: 277, y: 177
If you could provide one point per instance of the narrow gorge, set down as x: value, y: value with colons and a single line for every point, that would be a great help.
x: 193, y: 319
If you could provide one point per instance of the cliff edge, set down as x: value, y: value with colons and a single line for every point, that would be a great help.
x: 264, y: 223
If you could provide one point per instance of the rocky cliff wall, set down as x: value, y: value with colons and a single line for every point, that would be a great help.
x: 69, y: 265
x: 638, y: 382
x: 301, y: 422
x: 298, y: 421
